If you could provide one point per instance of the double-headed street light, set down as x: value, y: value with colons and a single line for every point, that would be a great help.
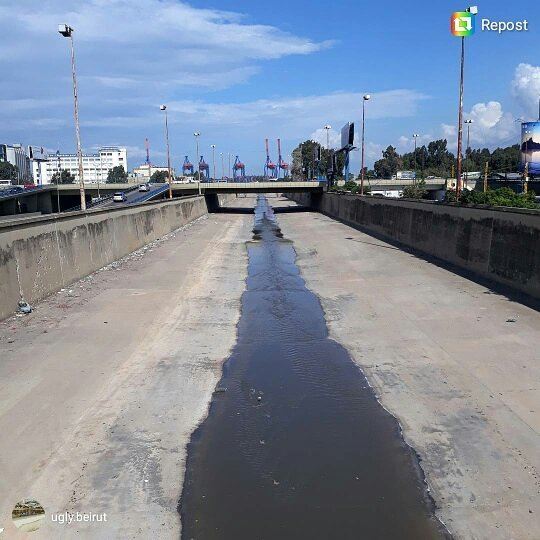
x: 67, y: 32
x: 213, y: 146
x: 365, y: 98
x: 328, y: 127
x: 415, y: 136
x: 164, y: 108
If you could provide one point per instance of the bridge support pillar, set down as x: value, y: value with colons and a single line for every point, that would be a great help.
x: 212, y: 202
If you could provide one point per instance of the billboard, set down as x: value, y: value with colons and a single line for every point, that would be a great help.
x: 347, y: 135
x: 530, y: 146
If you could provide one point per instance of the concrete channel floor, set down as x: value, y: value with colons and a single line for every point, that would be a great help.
x: 456, y: 363
x: 101, y: 387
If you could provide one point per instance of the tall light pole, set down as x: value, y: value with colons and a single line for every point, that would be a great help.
x: 364, y: 99
x: 222, y: 167
x: 230, y: 175
x: 415, y: 136
x: 164, y: 108
x: 473, y: 10
x: 468, y: 122
x: 196, y: 134
x: 67, y: 32
x: 213, y: 146
x: 328, y: 127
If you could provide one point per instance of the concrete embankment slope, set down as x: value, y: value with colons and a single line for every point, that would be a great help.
x: 456, y: 363
x: 102, y: 384
x: 41, y: 255
x: 500, y: 244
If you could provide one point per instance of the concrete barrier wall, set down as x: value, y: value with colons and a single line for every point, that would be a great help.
x: 500, y: 244
x: 39, y: 256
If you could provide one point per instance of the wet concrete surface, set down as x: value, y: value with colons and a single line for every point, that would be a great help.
x: 295, y: 444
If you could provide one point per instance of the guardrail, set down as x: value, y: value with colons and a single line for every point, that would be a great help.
x: 150, y: 194
x: 18, y: 190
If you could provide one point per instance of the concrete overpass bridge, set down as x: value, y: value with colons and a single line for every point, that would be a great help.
x: 51, y: 198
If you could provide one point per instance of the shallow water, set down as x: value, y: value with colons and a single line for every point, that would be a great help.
x: 295, y: 444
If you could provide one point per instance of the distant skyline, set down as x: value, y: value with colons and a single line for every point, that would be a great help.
x: 229, y: 71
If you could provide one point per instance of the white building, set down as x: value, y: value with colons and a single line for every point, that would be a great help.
x: 143, y: 172
x: 16, y: 155
x: 96, y: 167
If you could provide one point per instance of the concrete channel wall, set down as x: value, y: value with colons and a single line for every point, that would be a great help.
x: 500, y: 244
x: 41, y: 255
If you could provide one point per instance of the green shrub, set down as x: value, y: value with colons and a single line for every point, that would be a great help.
x: 500, y: 197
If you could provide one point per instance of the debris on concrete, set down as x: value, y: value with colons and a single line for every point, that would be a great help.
x: 24, y: 307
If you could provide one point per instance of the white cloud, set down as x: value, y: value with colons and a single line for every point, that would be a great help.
x: 311, y: 110
x: 320, y: 136
x: 406, y: 144
x: 526, y: 88
x: 491, y: 126
x: 125, y: 43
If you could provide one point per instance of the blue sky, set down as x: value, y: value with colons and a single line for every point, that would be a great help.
x: 240, y: 71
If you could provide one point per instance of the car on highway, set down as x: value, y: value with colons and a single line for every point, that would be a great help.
x: 144, y: 187
x: 119, y: 196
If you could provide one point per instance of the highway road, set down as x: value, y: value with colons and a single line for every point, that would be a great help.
x: 134, y: 196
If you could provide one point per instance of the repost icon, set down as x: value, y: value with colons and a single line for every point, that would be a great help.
x: 462, y: 23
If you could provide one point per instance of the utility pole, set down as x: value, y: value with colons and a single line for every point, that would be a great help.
x: 364, y: 99
x: 164, y: 108
x: 526, y: 177
x: 460, y: 117
x: 473, y: 10
x: 467, y: 150
x: 67, y: 31
x: 197, y: 135
x: 486, y: 176
x: 415, y: 136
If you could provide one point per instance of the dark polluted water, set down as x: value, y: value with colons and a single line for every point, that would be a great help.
x: 295, y: 445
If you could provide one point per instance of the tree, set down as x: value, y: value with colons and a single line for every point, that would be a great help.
x: 65, y: 177
x: 304, y: 165
x: 159, y: 177
x: 415, y: 191
x: 8, y: 171
x: 390, y: 163
x: 117, y: 175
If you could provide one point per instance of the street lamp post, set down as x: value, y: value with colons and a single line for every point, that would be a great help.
x: 213, y: 146
x: 197, y: 135
x: 230, y: 175
x: 164, y: 108
x: 67, y: 32
x: 467, y: 156
x: 328, y: 127
x: 364, y: 99
x: 473, y: 10
x: 222, y: 167
x: 415, y: 136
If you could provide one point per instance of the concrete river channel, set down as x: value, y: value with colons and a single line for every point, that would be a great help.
x: 296, y: 445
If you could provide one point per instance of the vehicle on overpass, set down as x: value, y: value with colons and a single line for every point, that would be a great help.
x: 144, y: 187
x: 119, y: 196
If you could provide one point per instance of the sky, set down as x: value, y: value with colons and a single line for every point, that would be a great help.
x: 239, y: 71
